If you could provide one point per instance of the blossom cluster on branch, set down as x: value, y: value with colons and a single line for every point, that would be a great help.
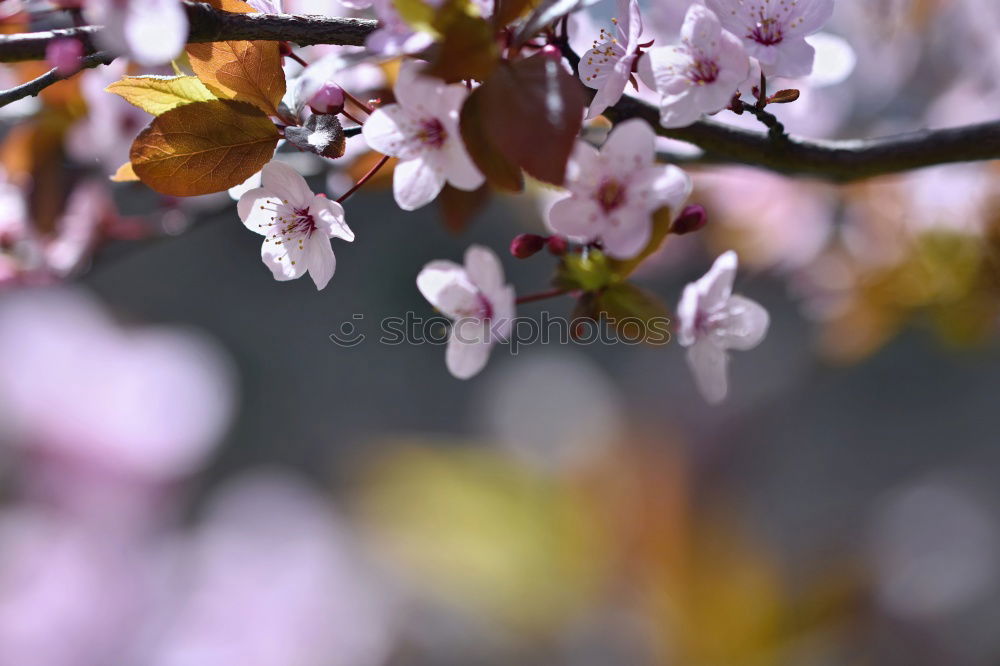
x: 457, y: 98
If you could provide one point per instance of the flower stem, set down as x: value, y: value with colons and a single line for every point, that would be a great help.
x: 357, y: 102
x: 295, y: 56
x: 541, y: 296
x: 364, y: 179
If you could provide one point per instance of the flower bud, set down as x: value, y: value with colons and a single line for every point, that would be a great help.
x: 328, y: 99
x: 692, y: 218
x: 551, y: 52
x: 64, y: 55
x: 557, y: 245
x: 525, y: 245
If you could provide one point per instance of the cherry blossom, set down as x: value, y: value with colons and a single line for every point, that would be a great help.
x: 421, y: 129
x: 711, y: 321
x: 608, y: 65
x: 774, y: 32
x: 297, y: 225
x: 150, y: 32
x: 699, y: 75
x: 477, y: 299
x: 615, y: 190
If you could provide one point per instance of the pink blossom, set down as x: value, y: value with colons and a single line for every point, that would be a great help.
x: 711, y: 321
x: 774, y: 32
x: 147, y: 403
x: 607, y: 66
x: 421, y: 129
x: 699, y: 75
x: 64, y: 55
x: 614, y: 191
x: 151, y: 32
x: 297, y: 225
x: 476, y: 298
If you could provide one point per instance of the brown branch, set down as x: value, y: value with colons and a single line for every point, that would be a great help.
x: 35, y: 86
x: 210, y: 25
x: 838, y: 161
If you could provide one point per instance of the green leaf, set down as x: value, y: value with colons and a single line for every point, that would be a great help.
x: 637, y: 315
x: 589, y: 271
x: 159, y: 94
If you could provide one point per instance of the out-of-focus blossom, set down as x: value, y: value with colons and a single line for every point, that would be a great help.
x: 275, y: 579
x: 533, y: 409
x: 712, y: 320
x: 934, y: 549
x: 699, y: 75
x: 771, y: 221
x: 297, y: 225
x: 421, y: 129
x: 105, y: 135
x: 614, y: 191
x: 608, y: 65
x: 835, y: 59
x: 774, y: 32
x: 151, y: 32
x: 394, y: 36
x: 64, y: 55
x: 57, y: 577
x: 147, y: 403
x: 477, y: 299
x: 267, y: 6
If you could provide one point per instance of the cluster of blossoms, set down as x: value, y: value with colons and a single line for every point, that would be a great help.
x: 614, y: 193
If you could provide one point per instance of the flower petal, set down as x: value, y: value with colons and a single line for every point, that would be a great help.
x: 708, y: 365
x: 388, y: 131
x: 447, y: 287
x: 329, y: 216
x: 744, y: 326
x: 631, y: 145
x: 468, y: 349
x: 416, y: 183
x: 716, y: 286
x: 155, y: 30
x: 286, y: 183
x: 256, y: 209
x: 322, y: 262
x: 575, y: 217
x: 484, y: 269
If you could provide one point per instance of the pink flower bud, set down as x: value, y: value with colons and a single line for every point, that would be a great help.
x: 557, y: 245
x: 525, y: 245
x: 329, y: 99
x: 551, y: 52
x: 64, y: 55
x: 692, y: 218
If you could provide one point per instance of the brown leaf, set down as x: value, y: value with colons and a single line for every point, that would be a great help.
x: 497, y: 169
x: 533, y: 111
x: 244, y: 71
x: 203, y: 147
x: 459, y: 207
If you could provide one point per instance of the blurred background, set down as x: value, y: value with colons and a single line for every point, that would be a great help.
x: 192, y: 473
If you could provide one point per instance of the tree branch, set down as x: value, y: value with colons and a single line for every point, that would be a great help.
x: 35, y: 86
x: 838, y: 161
x: 210, y: 25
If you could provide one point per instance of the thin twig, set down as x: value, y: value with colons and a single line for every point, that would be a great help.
x: 35, y: 86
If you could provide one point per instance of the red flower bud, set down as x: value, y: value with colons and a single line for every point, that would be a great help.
x: 692, y: 218
x: 525, y: 245
x: 557, y: 245
x: 328, y: 99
